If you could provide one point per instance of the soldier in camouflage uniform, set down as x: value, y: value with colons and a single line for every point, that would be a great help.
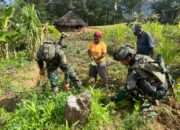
x: 51, y: 56
x: 145, y: 78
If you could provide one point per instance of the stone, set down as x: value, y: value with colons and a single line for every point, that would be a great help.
x: 77, y: 108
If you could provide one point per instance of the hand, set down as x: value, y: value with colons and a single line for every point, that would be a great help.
x: 66, y: 86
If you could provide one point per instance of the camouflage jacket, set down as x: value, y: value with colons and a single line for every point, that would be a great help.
x: 147, y: 68
x: 55, y: 59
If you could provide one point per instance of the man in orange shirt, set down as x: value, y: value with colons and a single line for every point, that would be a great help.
x: 97, y: 51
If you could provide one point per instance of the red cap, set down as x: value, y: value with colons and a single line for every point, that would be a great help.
x: 98, y: 34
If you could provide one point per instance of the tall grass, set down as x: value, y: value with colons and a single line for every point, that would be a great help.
x: 166, y: 37
x: 166, y: 40
x: 119, y: 33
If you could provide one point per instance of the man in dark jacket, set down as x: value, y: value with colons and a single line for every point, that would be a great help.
x: 145, y: 43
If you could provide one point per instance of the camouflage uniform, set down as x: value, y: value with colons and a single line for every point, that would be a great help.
x: 53, y: 57
x: 146, y: 78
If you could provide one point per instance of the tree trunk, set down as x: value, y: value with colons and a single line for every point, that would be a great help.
x: 15, y: 53
x: 7, y: 50
x: 71, y: 6
x: 84, y: 3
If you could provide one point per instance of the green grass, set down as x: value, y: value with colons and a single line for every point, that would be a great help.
x: 46, y: 111
x: 13, y: 63
x: 38, y: 111
x: 8, y: 68
x: 100, y: 116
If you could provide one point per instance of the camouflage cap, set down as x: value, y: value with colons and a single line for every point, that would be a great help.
x: 123, y: 52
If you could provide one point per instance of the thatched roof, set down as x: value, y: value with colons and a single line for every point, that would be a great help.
x: 70, y: 19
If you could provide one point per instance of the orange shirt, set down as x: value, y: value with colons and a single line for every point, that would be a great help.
x: 97, y: 50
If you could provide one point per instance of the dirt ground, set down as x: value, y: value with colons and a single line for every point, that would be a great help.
x: 28, y: 77
x: 23, y: 80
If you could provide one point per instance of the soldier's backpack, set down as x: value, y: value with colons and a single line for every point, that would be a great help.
x: 49, y: 51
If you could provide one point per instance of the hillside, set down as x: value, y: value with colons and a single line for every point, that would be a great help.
x: 39, y: 109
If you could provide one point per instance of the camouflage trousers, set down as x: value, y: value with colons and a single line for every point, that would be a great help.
x: 54, y: 78
x: 70, y: 77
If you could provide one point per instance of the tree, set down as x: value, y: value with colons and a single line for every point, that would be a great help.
x: 169, y: 10
x: 20, y: 25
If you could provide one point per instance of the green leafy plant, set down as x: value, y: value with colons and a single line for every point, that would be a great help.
x: 46, y: 111
x: 100, y: 116
x: 135, y: 120
x: 30, y: 28
x: 38, y: 112
x: 4, y: 29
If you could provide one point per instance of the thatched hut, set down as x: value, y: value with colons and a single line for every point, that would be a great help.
x: 70, y: 21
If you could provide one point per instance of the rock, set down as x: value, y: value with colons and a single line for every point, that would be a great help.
x: 77, y: 108
x: 9, y: 101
